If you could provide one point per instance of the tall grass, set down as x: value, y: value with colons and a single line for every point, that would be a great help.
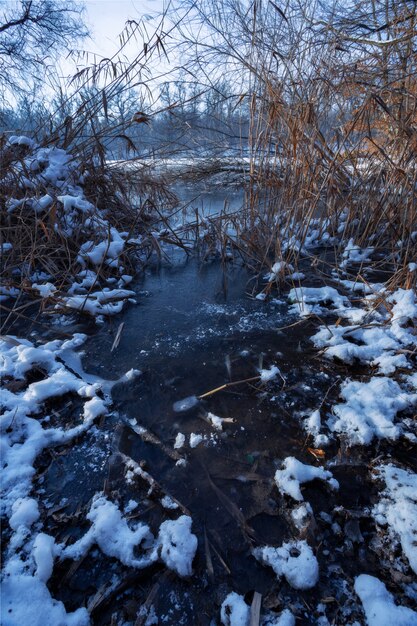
x: 332, y: 95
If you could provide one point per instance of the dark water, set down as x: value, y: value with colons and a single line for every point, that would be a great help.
x: 193, y: 329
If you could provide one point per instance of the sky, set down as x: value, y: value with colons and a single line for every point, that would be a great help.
x: 106, y: 20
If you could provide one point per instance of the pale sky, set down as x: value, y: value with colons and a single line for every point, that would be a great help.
x: 106, y: 20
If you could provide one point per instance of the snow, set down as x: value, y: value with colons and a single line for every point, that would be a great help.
x: 353, y: 253
x: 369, y: 410
x: 177, y: 545
x: 269, y: 374
x: 195, y: 440
x: 23, y: 436
x: 376, y: 346
x: 215, y: 420
x: 25, y: 512
x: 295, y: 473
x: 77, y: 219
x: 234, y: 611
x: 293, y: 560
x: 397, y: 508
x: 312, y: 425
x: 301, y: 515
x: 379, y: 606
x: 286, y: 618
x: 179, y: 441
x: 44, y: 552
x: 38, y: 607
x: 306, y: 300
x: 168, y: 503
x: 22, y: 140
x: 105, y: 302
x: 110, y: 531
x: 46, y: 290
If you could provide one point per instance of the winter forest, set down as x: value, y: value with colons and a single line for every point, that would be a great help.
x: 208, y: 306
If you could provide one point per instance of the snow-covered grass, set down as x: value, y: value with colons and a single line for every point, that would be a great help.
x: 74, y: 222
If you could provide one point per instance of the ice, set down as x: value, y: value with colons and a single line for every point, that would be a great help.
x: 397, y: 508
x: 379, y: 606
x: 176, y: 545
x: 369, y: 410
x: 295, y: 473
x: 293, y: 560
x: 181, y: 406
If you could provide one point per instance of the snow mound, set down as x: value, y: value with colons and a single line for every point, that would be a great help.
x: 112, y: 534
x: 177, y: 545
x: 293, y: 560
x: 369, y: 410
x: 306, y: 300
x: 397, y: 508
x: 379, y: 606
x: 39, y: 608
x: 234, y: 611
x: 295, y: 473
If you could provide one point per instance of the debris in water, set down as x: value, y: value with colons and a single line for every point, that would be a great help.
x: 186, y: 404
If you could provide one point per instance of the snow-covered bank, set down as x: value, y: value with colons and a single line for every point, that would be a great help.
x: 29, y: 424
x: 64, y: 248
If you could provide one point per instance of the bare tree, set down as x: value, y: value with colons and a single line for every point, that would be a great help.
x: 32, y: 34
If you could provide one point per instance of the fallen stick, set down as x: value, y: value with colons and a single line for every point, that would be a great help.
x: 149, y: 437
x: 137, y: 470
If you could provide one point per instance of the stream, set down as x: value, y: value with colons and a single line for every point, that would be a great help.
x: 195, y: 327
